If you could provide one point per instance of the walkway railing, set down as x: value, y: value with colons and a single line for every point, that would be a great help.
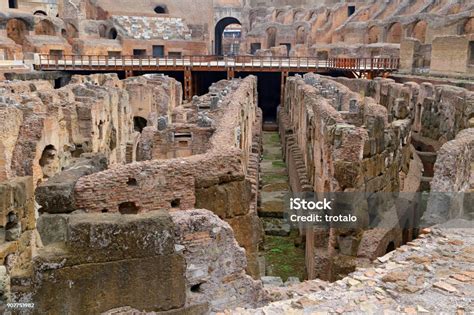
x: 212, y: 63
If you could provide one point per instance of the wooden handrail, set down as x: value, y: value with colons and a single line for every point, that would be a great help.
x: 307, y: 62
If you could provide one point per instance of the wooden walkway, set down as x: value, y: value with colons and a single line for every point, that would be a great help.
x: 213, y: 63
x: 369, y: 67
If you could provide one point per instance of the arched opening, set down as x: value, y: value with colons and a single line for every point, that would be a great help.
x: 298, y: 15
x: 64, y: 33
x: 271, y: 37
x: 45, y: 27
x: 280, y: 17
x: 419, y: 31
x: 219, y: 32
x: 112, y: 34
x: 49, y: 161
x: 139, y: 123
x: 161, y: 9
x: 17, y: 31
x: 300, y: 35
x: 40, y: 12
x: 468, y: 27
x: 394, y: 34
x: 373, y: 35
x: 252, y: 19
x: 390, y: 247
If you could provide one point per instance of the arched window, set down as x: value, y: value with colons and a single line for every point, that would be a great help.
x: 112, y: 34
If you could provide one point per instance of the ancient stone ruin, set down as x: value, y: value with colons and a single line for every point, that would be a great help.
x: 150, y: 152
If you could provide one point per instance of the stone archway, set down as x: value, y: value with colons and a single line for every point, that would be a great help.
x: 300, y: 35
x: 373, y: 35
x: 17, y: 30
x: 298, y: 15
x: 45, y: 27
x: 394, y: 34
x: 468, y: 27
x: 219, y: 31
x: 419, y: 31
x: 271, y: 37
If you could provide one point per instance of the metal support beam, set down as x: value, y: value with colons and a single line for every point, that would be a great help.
x: 188, y: 84
x: 230, y: 73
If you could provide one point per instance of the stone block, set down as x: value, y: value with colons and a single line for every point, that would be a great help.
x: 52, y: 228
x: 106, y: 237
x: 148, y: 284
x: 227, y: 199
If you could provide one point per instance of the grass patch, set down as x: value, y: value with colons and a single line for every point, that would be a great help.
x: 275, y: 138
x: 279, y: 164
x: 283, y: 258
